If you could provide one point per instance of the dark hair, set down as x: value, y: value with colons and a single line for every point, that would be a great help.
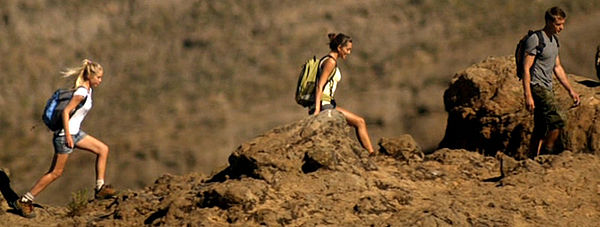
x: 336, y: 40
x: 554, y: 13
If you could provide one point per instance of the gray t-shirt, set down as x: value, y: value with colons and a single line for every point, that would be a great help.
x: 543, y: 66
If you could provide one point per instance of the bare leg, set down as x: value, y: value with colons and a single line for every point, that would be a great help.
x: 535, y: 145
x: 361, y: 128
x: 538, y: 146
x: 550, y: 139
x: 95, y: 146
x: 56, y: 169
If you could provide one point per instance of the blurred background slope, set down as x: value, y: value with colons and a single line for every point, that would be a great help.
x: 187, y: 81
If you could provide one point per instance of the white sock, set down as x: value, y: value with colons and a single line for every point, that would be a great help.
x: 27, y: 197
x: 99, y: 184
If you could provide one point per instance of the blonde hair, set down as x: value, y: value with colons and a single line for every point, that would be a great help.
x: 83, y: 73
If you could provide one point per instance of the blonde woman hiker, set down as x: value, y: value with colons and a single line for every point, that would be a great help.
x: 70, y: 136
x: 340, y: 46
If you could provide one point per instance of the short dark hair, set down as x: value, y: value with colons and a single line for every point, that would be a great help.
x: 336, y: 40
x: 554, y: 13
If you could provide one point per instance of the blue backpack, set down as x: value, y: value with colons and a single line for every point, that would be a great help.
x: 55, y: 105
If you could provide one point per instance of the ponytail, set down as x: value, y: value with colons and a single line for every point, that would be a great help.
x: 83, y: 73
x: 336, y: 40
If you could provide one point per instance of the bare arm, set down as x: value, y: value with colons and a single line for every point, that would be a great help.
x: 66, y: 115
x: 328, y: 67
x: 528, y: 63
x: 560, y: 74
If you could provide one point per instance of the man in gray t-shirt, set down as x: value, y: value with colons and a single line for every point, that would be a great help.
x: 537, y: 82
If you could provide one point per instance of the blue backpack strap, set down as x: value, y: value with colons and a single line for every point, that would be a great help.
x: 82, y: 102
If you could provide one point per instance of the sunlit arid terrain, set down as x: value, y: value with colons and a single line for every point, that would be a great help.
x: 187, y: 82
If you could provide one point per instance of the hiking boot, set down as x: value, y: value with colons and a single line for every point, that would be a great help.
x: 105, y: 192
x: 24, y: 209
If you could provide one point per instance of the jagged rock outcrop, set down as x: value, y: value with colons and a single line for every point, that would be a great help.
x: 403, y: 148
x: 486, y: 111
x: 313, y: 172
x: 317, y: 142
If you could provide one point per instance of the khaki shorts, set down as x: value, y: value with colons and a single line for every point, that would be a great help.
x: 546, y: 115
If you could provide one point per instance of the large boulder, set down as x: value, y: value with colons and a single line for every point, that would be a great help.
x: 313, y: 172
x: 403, y: 148
x: 486, y: 112
x: 322, y: 141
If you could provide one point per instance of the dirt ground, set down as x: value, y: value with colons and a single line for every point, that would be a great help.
x: 313, y: 172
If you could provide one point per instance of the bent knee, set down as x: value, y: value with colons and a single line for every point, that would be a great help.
x: 55, y: 174
x: 359, y: 122
x: 102, y: 150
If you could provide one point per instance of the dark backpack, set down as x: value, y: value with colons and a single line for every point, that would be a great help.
x: 520, y: 50
x: 55, y: 106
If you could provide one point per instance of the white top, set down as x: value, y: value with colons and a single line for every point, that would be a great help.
x: 77, y: 118
x: 331, y: 85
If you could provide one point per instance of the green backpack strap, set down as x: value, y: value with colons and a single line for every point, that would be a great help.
x: 332, y: 72
x: 330, y: 77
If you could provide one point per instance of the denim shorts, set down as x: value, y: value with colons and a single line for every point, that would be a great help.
x: 323, y: 107
x: 60, y: 142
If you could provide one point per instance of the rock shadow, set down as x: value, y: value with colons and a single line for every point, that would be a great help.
x: 589, y: 83
x: 8, y: 193
x: 239, y: 166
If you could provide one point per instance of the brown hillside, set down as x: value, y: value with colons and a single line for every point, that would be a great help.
x: 187, y: 81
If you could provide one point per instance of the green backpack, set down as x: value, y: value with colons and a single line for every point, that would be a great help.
x: 307, y: 81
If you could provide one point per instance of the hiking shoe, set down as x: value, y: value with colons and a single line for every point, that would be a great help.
x: 105, y: 192
x: 24, y: 209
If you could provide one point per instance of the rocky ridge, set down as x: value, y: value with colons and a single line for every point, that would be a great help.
x: 486, y: 111
x: 313, y: 172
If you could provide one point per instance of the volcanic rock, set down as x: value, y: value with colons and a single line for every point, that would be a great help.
x: 403, y: 148
x: 486, y: 111
x: 313, y: 172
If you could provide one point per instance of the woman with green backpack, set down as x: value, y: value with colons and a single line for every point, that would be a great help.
x: 69, y: 136
x: 329, y: 75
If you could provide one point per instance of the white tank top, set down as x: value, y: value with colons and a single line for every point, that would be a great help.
x: 77, y: 118
x: 331, y: 85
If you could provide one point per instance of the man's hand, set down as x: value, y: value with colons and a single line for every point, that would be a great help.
x: 529, y: 103
x: 575, y: 96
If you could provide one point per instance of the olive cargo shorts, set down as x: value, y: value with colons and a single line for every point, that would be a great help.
x: 546, y: 115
